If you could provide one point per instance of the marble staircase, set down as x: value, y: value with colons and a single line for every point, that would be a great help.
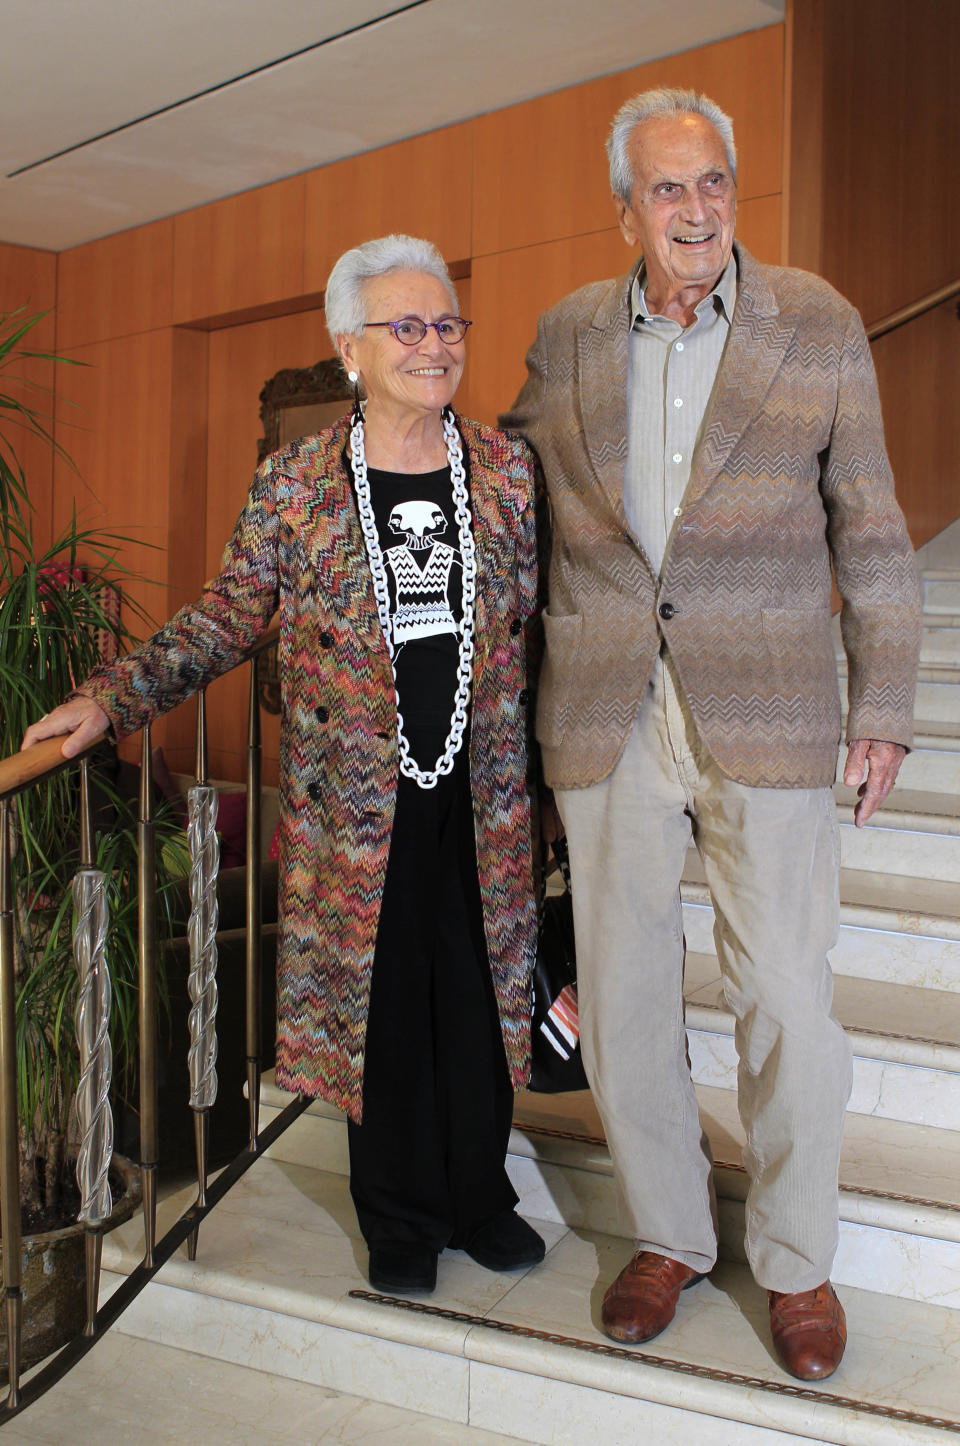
x: 279, y: 1282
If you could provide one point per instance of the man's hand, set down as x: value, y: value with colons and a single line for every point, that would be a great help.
x: 882, y: 764
x: 83, y: 720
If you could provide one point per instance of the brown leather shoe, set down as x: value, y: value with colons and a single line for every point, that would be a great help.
x: 642, y: 1300
x: 809, y: 1331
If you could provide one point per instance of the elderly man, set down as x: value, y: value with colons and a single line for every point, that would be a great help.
x: 710, y: 434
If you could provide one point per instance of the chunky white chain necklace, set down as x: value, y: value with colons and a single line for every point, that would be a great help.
x: 461, y: 506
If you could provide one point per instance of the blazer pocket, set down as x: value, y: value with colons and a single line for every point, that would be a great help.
x: 557, y: 675
x: 800, y: 651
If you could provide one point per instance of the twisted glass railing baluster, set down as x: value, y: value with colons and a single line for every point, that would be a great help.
x: 92, y: 1022
x: 202, y: 980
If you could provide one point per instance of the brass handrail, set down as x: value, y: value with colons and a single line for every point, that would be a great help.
x: 43, y: 760
x: 930, y: 302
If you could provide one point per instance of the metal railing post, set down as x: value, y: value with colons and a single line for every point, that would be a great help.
x: 254, y: 930
x: 147, y: 955
x: 9, y: 1152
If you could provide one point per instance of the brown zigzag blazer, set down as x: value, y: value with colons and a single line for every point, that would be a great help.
x: 298, y: 546
x: 790, y: 472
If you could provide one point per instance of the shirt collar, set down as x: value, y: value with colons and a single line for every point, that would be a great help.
x: 723, y: 296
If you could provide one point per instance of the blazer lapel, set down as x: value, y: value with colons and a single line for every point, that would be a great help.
x: 602, y: 359
x: 755, y: 348
x: 321, y: 509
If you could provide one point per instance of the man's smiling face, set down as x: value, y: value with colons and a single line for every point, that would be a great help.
x: 682, y: 206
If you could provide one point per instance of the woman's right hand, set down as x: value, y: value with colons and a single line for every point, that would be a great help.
x: 83, y: 720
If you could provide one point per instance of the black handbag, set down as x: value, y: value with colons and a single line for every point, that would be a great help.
x: 555, y: 1031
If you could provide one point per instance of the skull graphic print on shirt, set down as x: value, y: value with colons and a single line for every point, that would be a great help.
x: 420, y: 543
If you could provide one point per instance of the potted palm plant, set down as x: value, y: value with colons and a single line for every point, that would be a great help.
x: 56, y: 619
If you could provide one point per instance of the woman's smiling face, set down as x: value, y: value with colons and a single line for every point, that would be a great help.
x: 419, y: 378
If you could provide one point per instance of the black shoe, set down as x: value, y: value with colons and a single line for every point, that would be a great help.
x: 403, y: 1266
x: 506, y: 1243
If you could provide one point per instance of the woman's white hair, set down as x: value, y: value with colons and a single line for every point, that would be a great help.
x: 649, y: 103
x: 344, y: 300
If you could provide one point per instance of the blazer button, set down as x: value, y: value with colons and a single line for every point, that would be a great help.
x: 516, y: 627
x: 666, y: 610
x: 326, y: 640
x: 315, y: 791
x: 523, y: 697
x: 322, y: 714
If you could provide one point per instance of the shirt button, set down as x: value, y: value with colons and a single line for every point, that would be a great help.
x: 678, y: 512
x: 678, y: 456
x: 678, y: 401
x: 679, y: 346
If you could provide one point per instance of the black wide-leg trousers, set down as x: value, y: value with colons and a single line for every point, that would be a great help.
x: 427, y: 1161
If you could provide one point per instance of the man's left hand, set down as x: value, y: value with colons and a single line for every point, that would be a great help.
x: 881, y: 763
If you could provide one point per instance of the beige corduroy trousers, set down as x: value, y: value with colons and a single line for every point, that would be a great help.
x: 771, y: 859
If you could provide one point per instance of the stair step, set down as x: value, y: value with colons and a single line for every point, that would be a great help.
x: 906, y: 1055
x: 930, y: 735
x: 116, y: 1394
x: 895, y: 930
x: 894, y: 1022
x: 932, y: 766
x: 941, y: 591
x: 900, y: 1183
x: 905, y: 844
x: 278, y: 1284
x: 914, y: 835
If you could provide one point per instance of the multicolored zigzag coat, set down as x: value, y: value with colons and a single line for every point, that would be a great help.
x: 298, y: 546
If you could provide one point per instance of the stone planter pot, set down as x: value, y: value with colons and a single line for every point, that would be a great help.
x: 54, y: 1275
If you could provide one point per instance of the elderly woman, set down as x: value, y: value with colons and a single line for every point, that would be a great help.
x: 399, y: 548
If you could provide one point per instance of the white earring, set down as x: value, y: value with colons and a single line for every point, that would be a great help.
x: 354, y: 377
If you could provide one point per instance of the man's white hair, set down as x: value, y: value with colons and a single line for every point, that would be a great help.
x: 344, y: 300
x: 649, y: 103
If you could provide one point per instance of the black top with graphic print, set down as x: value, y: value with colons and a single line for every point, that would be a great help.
x: 420, y: 542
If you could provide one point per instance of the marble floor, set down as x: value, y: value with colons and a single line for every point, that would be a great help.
x: 133, y: 1390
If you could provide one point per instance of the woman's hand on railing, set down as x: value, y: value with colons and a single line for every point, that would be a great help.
x: 83, y: 720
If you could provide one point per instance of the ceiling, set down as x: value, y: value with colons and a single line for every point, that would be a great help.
x: 117, y: 112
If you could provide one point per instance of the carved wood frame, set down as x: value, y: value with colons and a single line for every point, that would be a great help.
x: 298, y: 387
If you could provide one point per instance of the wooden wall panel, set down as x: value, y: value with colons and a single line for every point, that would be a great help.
x: 891, y: 146
x: 420, y: 186
x: 759, y: 227
x: 186, y: 519
x: 918, y: 369
x: 28, y: 279
x: 116, y: 286
x: 872, y: 137
x: 241, y: 252
x: 242, y: 359
x: 539, y: 169
x: 803, y: 134
x: 510, y: 290
x: 114, y: 416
